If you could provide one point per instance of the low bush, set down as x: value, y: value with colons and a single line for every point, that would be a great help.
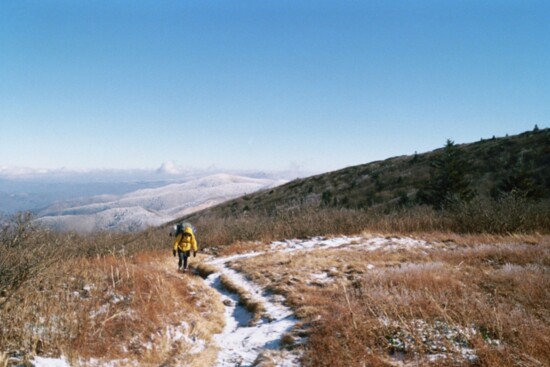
x: 508, y: 214
x: 96, y: 296
x: 25, y: 252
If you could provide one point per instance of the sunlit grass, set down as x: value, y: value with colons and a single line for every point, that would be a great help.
x: 481, y: 300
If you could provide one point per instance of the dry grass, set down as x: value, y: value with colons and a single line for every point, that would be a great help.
x: 485, y: 294
x: 240, y: 247
x: 144, y: 301
x: 104, y: 304
x: 111, y: 296
x: 503, y: 217
x: 203, y: 269
x: 252, y: 305
x: 107, y: 296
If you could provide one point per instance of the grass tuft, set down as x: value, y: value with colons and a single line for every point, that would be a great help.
x: 255, y: 307
x: 203, y: 269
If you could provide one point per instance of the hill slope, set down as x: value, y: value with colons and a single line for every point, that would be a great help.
x: 491, y: 167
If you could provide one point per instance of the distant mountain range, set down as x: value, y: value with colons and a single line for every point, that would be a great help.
x: 148, y: 207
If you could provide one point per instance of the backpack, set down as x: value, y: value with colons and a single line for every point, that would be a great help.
x: 181, y: 226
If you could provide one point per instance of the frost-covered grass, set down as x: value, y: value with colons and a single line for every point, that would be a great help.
x: 115, y: 311
x: 370, y: 299
x: 384, y: 300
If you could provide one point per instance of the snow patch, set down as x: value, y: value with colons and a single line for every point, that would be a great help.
x: 439, y: 338
x: 320, y: 279
x: 390, y: 244
x: 240, y: 342
x: 312, y: 244
x: 50, y: 362
x: 180, y: 332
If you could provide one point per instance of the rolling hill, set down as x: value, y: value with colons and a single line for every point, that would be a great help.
x: 489, y: 168
x: 148, y: 207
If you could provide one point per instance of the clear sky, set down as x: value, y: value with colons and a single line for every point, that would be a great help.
x: 269, y: 85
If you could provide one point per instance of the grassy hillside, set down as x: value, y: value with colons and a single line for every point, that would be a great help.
x: 489, y: 165
x: 506, y: 179
x: 438, y: 298
x: 430, y: 300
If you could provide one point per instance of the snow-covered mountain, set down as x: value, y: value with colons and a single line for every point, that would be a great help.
x: 148, y: 207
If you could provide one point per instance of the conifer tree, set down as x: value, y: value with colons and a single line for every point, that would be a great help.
x: 520, y: 180
x: 448, y: 182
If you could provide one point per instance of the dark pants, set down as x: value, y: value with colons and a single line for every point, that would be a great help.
x: 183, y: 255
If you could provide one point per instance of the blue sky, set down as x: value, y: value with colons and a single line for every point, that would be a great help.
x: 266, y: 85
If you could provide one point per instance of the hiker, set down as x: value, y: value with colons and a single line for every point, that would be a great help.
x: 184, y: 243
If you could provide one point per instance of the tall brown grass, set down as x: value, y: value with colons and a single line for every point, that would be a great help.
x: 510, y: 214
x: 79, y: 295
x: 106, y: 296
x: 489, y: 298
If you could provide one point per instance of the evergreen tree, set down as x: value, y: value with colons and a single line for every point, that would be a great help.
x: 521, y: 179
x: 448, y: 181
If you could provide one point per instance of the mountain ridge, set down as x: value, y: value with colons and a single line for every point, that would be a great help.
x: 490, y: 167
x: 148, y: 207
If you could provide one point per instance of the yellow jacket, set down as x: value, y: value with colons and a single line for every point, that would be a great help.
x: 186, y: 241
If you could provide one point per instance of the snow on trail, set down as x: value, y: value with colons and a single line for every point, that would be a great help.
x: 241, y: 343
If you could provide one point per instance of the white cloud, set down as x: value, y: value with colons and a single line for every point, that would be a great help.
x: 170, y: 168
x: 168, y: 171
x: 19, y: 172
x: 72, y: 175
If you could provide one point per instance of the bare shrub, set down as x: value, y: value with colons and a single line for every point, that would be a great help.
x: 510, y: 213
x: 284, y: 224
x: 127, y: 244
x: 25, y: 252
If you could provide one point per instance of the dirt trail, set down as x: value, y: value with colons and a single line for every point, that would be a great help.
x: 244, y: 342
